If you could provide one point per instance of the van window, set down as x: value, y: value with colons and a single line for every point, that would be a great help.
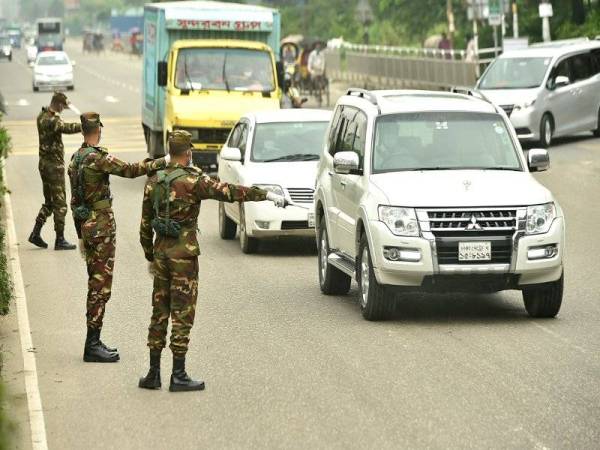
x: 562, y: 69
x: 581, y: 66
x: 596, y: 61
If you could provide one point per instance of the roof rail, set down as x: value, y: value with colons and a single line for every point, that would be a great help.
x: 363, y: 93
x: 470, y: 92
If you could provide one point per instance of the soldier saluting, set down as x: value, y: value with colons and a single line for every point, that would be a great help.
x: 91, y: 203
x: 170, y: 208
x: 52, y: 170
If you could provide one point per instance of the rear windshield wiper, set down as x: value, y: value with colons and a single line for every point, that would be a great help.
x: 295, y: 157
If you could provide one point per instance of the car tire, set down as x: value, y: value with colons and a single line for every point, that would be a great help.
x: 374, y: 301
x: 248, y: 244
x: 544, y: 300
x: 331, y: 279
x: 227, y: 227
x: 597, y: 130
x: 546, y: 130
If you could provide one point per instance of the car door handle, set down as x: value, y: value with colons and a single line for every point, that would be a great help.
x: 330, y: 173
x: 343, y: 183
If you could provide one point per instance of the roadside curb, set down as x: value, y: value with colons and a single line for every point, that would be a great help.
x: 34, y: 402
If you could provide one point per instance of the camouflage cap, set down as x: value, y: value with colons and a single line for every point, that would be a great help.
x: 90, y: 121
x: 180, y: 141
x: 60, y: 99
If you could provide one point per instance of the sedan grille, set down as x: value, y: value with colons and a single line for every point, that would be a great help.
x: 301, y: 195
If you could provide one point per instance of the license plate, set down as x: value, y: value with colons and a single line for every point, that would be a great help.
x: 311, y: 220
x: 474, y: 251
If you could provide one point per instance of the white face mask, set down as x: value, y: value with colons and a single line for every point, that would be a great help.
x: 190, y: 160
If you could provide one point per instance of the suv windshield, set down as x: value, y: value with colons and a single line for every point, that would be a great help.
x: 224, y: 69
x: 443, y: 141
x: 288, y: 141
x: 515, y: 73
x: 52, y: 60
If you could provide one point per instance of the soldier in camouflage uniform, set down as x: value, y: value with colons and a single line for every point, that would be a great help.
x: 170, y: 208
x: 52, y: 170
x: 91, y: 202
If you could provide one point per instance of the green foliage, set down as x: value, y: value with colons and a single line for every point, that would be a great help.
x: 7, y: 427
x: 5, y: 283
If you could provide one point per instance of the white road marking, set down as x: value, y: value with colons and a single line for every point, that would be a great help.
x: 561, y: 338
x: 34, y: 401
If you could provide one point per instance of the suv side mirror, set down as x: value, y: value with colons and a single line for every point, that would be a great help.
x: 561, y: 81
x: 161, y: 73
x: 538, y: 160
x: 231, y: 154
x: 345, y: 162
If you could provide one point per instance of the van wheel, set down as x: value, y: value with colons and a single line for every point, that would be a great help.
x: 331, y: 279
x: 546, y: 131
x: 373, y: 302
x: 248, y: 244
x: 597, y: 130
x: 227, y: 227
x: 544, y: 300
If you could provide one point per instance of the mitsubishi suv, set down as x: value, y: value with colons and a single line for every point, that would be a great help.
x: 431, y: 191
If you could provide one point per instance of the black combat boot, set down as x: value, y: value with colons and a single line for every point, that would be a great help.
x: 62, y: 244
x: 35, y: 237
x: 106, y: 347
x: 152, y: 380
x: 180, y: 381
x: 94, y: 352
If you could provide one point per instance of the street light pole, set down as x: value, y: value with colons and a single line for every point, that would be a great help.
x: 515, y: 12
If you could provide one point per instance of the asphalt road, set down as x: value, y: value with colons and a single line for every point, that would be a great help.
x: 285, y: 366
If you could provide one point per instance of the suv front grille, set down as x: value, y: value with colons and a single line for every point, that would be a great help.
x: 301, y: 195
x: 472, y: 220
x: 508, y: 109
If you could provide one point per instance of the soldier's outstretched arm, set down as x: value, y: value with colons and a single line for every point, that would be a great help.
x: 209, y: 188
x: 66, y: 128
x: 111, y: 164
x: 146, y: 231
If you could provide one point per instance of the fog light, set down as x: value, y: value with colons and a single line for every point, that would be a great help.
x: 402, y: 254
x: 262, y: 224
x: 543, y: 252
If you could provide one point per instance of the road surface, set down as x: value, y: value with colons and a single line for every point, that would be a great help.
x: 286, y: 367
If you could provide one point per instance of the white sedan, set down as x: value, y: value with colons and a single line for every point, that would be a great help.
x: 277, y: 151
x: 52, y: 70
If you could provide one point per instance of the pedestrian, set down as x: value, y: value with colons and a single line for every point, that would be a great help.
x: 471, y: 50
x: 170, y: 208
x: 445, y: 45
x: 91, y: 203
x: 51, y: 165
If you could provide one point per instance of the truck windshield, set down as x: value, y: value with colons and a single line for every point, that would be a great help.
x: 288, y: 141
x: 515, y: 73
x: 224, y: 69
x: 443, y: 141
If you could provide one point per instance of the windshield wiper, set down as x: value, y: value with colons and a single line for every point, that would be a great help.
x: 224, y: 73
x: 514, y: 169
x: 295, y: 157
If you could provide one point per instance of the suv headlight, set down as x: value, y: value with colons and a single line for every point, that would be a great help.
x: 275, y: 189
x: 400, y: 221
x: 540, y: 218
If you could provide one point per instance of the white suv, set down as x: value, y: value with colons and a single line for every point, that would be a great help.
x: 431, y: 191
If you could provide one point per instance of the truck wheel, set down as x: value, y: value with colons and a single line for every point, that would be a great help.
x: 248, y: 244
x: 227, y: 227
x: 544, y: 300
x: 373, y: 302
x: 155, y: 147
x: 331, y: 279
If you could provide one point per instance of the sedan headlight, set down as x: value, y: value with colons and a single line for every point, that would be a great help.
x: 400, y: 221
x: 275, y: 189
x: 540, y: 218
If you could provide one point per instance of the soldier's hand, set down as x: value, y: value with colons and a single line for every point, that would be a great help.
x: 167, y: 158
x: 81, y: 247
x: 279, y: 200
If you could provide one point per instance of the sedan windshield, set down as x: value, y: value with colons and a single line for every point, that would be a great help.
x: 443, y: 141
x: 224, y: 69
x: 288, y: 141
x: 52, y: 60
x: 515, y: 73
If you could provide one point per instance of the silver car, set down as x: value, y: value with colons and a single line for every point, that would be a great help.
x: 52, y: 70
x: 549, y: 90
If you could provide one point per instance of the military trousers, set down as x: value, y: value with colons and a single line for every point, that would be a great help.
x: 100, y: 260
x: 55, y: 200
x: 174, y: 295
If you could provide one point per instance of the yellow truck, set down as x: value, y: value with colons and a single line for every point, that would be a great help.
x: 205, y: 65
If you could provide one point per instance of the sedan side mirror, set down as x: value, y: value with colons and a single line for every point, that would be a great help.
x: 538, y: 160
x: 561, y: 81
x: 231, y: 154
x: 345, y: 163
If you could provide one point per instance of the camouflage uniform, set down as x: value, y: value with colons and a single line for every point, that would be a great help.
x: 175, y: 263
x: 99, y: 230
x: 52, y: 166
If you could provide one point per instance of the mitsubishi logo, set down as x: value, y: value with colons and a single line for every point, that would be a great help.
x: 473, y: 224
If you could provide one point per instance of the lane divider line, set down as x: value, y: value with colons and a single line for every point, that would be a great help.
x: 34, y: 401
